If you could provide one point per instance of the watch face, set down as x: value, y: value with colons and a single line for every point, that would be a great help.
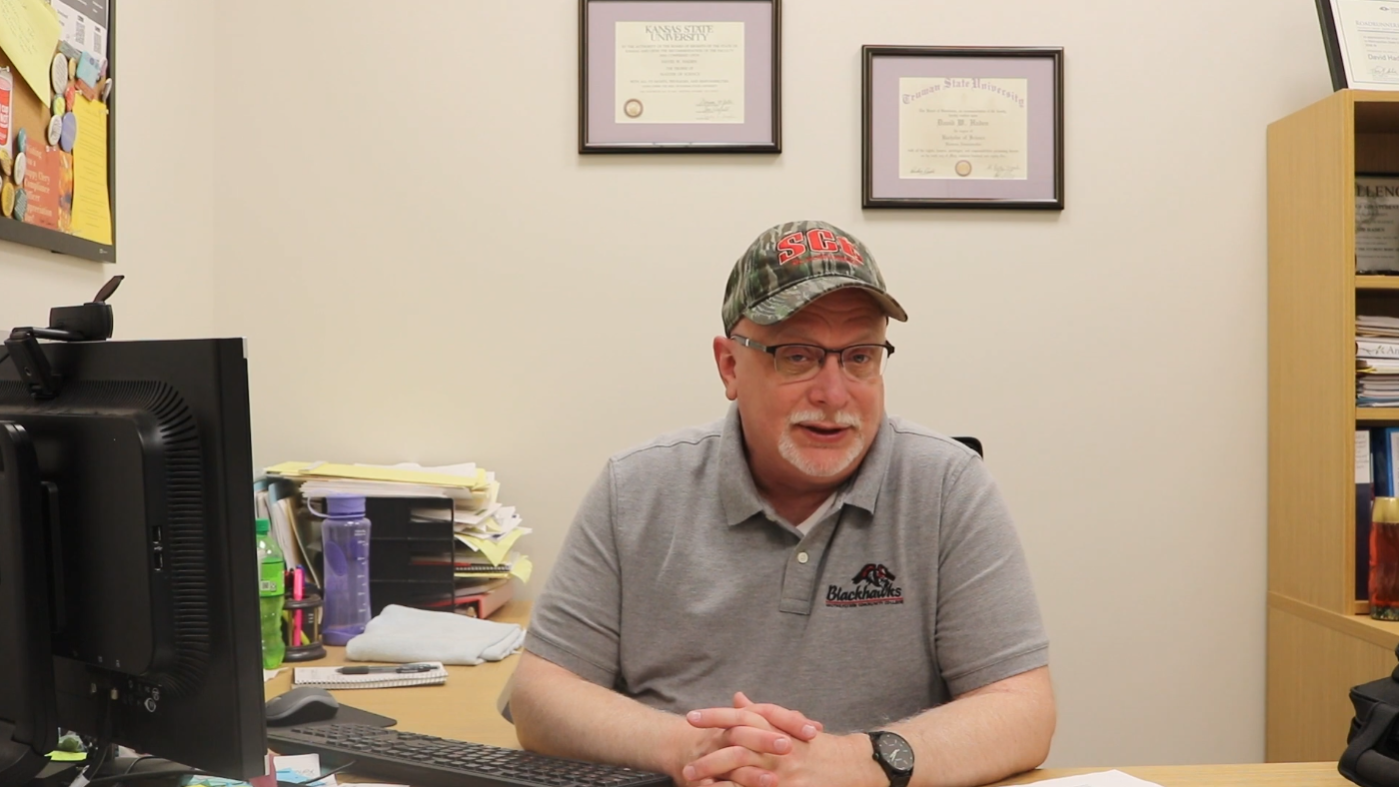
x: 894, y: 750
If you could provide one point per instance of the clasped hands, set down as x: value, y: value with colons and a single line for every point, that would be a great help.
x: 764, y: 745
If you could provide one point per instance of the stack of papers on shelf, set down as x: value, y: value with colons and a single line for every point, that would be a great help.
x: 486, y: 532
x: 1377, y: 361
x: 486, y: 537
x: 463, y: 482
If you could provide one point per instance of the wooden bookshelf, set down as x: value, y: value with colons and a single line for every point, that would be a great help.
x: 1377, y: 282
x: 1318, y: 647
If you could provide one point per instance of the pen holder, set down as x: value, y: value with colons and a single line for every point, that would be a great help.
x: 307, y: 646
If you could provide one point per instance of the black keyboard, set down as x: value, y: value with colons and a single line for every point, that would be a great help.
x: 426, y: 761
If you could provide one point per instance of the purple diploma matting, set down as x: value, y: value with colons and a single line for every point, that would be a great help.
x: 691, y: 67
x: 997, y: 165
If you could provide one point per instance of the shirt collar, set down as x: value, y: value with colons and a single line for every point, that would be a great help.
x: 738, y: 493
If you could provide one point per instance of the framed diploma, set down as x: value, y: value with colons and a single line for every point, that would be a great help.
x: 1376, y: 223
x: 974, y: 127
x: 679, y: 76
x: 1362, y: 43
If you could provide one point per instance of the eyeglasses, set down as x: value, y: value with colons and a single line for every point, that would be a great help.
x: 803, y: 361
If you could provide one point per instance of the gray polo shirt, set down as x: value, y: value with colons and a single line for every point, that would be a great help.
x: 678, y: 585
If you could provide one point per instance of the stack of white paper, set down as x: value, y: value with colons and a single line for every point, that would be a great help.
x: 1377, y: 361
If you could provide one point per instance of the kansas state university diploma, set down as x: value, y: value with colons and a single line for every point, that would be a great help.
x: 963, y: 128
x: 679, y: 72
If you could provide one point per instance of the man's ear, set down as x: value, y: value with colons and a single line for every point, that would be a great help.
x: 727, y: 364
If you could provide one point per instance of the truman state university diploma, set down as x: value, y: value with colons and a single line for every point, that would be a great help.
x: 679, y: 72
x: 963, y: 128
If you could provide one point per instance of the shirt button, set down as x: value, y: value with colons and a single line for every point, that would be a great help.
x: 802, y: 557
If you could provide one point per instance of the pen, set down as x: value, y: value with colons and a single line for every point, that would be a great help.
x: 364, y: 669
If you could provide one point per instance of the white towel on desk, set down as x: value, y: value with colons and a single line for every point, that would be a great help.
x: 404, y: 634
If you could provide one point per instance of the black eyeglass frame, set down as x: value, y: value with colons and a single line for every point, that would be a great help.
x: 825, y: 351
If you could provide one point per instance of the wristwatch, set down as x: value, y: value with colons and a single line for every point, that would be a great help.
x: 894, y: 755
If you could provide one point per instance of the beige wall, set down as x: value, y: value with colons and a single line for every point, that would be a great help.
x: 427, y: 270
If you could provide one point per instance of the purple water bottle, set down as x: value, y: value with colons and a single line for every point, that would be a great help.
x: 345, y: 537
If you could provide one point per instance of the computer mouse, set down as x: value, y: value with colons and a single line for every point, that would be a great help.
x: 301, y: 705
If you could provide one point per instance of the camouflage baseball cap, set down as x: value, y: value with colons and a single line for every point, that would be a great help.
x: 791, y: 265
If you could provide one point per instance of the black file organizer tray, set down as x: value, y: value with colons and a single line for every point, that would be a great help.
x: 396, y: 537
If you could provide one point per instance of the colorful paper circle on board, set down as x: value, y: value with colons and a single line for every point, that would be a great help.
x: 21, y: 140
x: 21, y: 167
x: 7, y: 164
x: 58, y: 107
x: 55, y: 129
x: 7, y: 199
x: 59, y: 73
x: 70, y: 95
x: 69, y: 134
x: 72, y: 69
x: 21, y: 204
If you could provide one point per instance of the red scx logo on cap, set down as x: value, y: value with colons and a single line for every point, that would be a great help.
x: 792, y: 247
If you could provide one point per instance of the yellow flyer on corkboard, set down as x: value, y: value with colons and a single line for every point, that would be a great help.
x: 92, y: 209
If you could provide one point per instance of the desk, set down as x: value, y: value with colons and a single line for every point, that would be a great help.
x: 464, y: 709
x: 1282, y: 774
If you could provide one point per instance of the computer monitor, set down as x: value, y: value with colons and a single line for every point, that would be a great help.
x: 128, y: 567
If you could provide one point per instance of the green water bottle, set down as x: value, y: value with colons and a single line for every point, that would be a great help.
x: 272, y: 569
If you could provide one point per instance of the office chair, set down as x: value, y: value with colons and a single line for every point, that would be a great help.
x: 972, y: 443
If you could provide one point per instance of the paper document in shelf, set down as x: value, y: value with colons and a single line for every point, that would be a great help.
x: 495, y: 551
x: 497, y: 537
x: 29, y: 31
x: 516, y: 565
x: 495, y: 526
x: 461, y: 516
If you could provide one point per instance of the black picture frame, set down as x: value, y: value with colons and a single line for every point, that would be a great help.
x: 1041, y: 68
x: 60, y: 242
x: 600, y: 132
x: 1349, y: 55
x: 1330, y: 39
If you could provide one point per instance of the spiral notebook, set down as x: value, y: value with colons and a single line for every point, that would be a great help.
x: 332, y: 678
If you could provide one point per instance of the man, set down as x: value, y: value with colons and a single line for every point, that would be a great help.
x: 857, y: 576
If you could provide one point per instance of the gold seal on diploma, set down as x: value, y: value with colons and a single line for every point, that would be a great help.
x: 964, y: 168
x: 633, y: 108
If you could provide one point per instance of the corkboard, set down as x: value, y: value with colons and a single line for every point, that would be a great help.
x: 32, y: 113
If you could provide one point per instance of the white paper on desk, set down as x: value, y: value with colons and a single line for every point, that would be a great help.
x: 1100, y: 779
x: 300, y: 768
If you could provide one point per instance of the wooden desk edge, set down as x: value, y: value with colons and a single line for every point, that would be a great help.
x: 1282, y: 774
